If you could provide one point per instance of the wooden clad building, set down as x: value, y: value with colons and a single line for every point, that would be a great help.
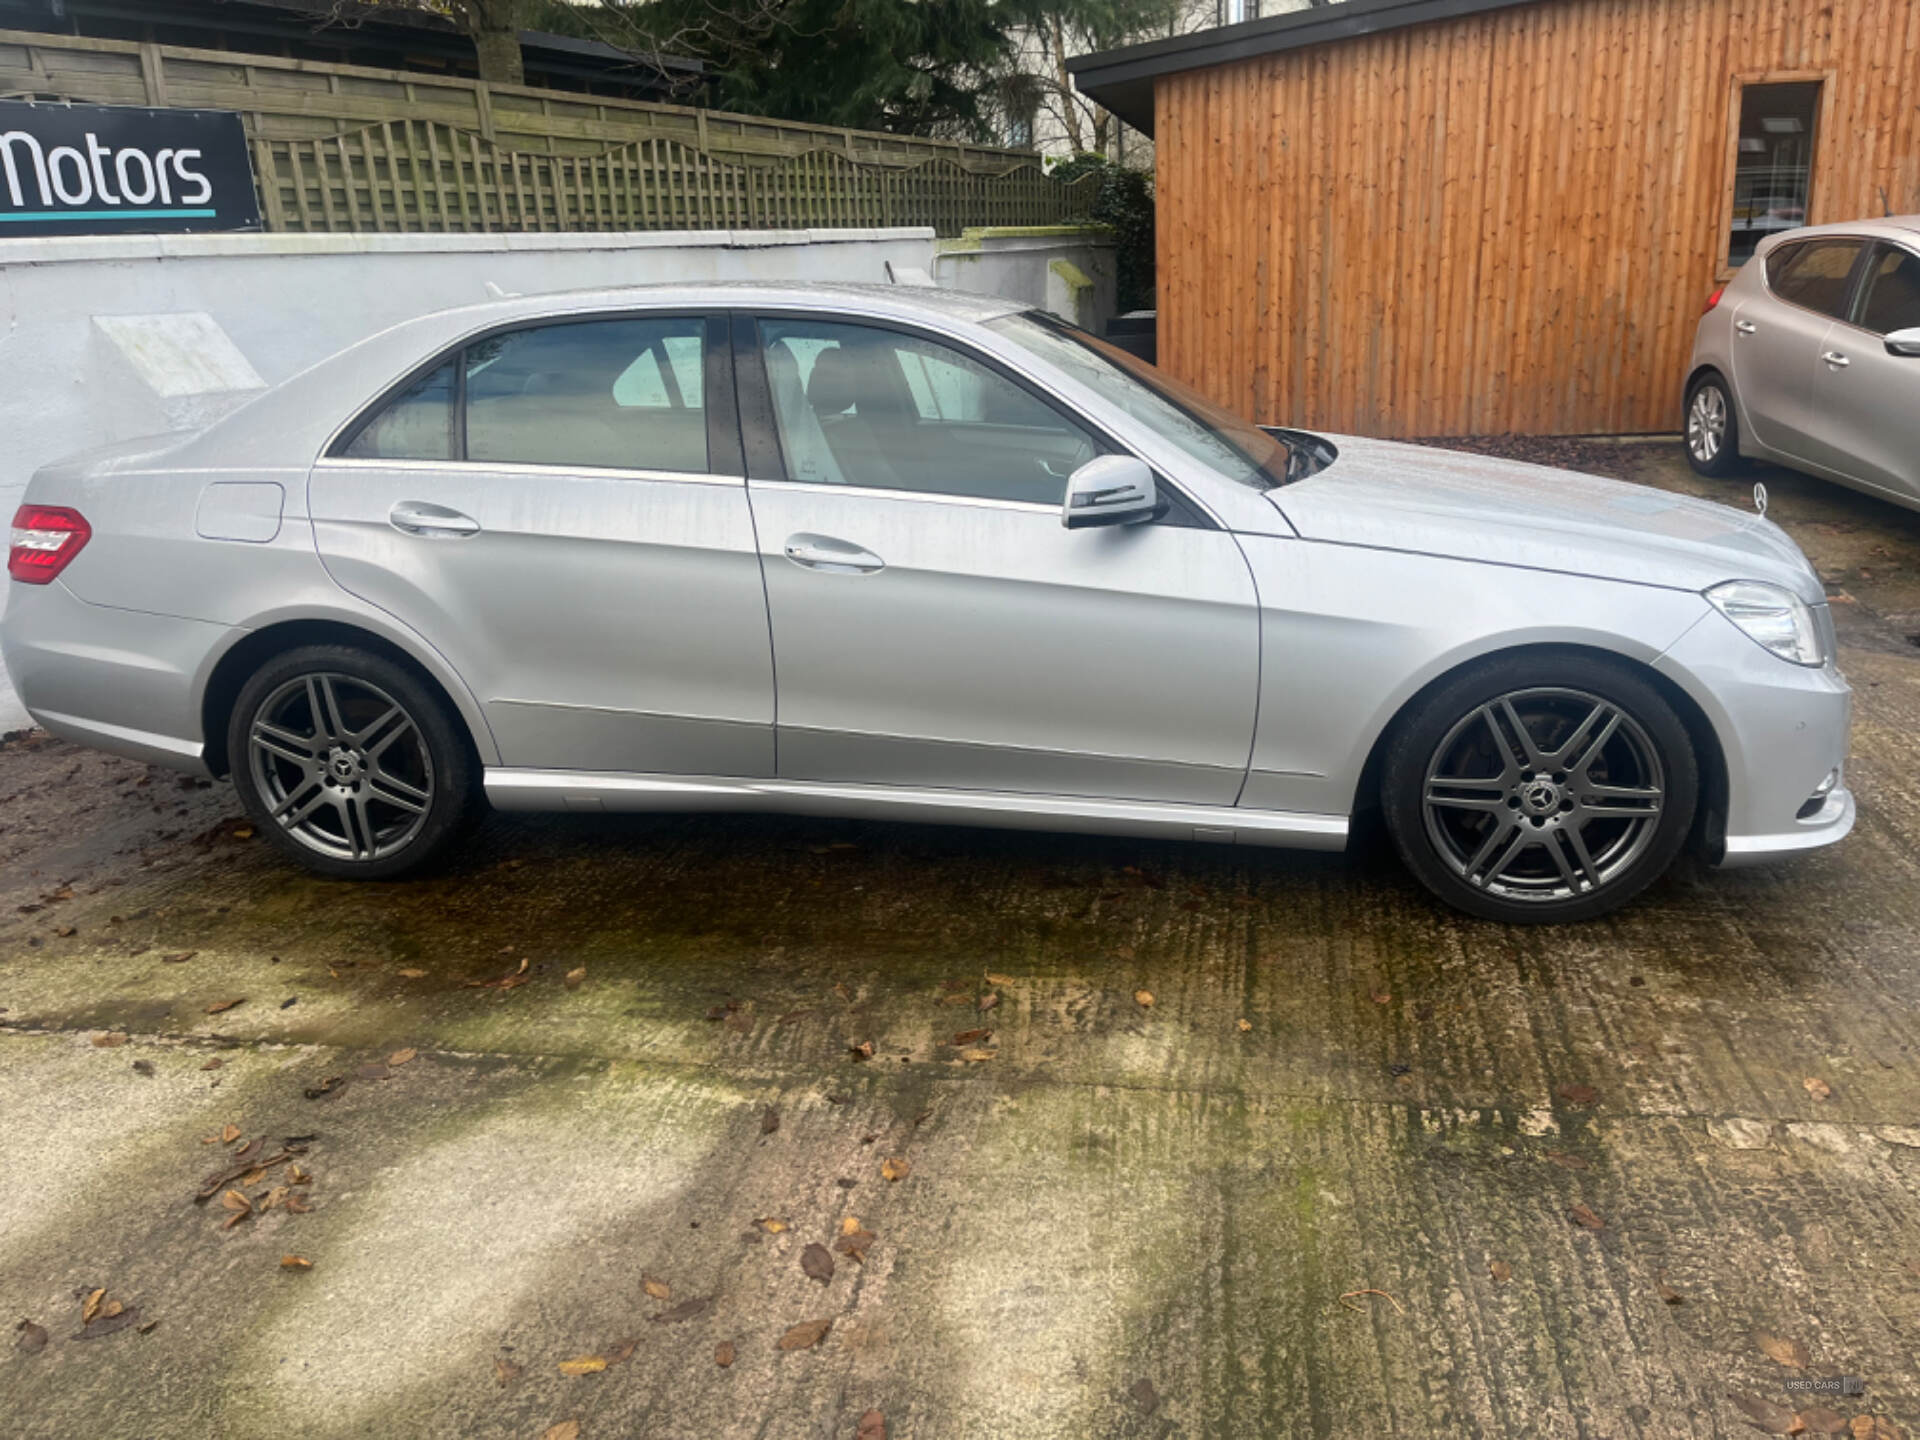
x: 1453, y: 217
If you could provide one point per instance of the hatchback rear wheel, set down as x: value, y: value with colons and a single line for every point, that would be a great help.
x: 349, y: 762
x: 1541, y: 789
x: 1713, y: 429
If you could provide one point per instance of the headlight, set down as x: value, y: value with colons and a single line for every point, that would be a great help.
x: 1776, y: 619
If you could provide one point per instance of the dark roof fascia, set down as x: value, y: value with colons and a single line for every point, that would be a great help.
x: 1122, y: 79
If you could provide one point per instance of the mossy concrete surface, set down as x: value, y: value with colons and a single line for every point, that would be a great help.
x: 1323, y: 1185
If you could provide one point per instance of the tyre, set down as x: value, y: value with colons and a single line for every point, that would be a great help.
x: 1713, y: 427
x: 1540, y: 788
x: 349, y: 762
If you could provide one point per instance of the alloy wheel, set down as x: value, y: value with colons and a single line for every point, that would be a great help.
x: 1707, y: 423
x: 341, y: 765
x: 1543, y: 794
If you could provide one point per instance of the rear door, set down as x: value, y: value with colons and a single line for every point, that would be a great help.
x: 560, y: 509
x: 1866, y: 400
x: 934, y: 623
x: 1779, y: 335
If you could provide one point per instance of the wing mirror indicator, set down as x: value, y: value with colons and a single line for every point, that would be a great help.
x: 1111, y: 490
x: 1904, y: 342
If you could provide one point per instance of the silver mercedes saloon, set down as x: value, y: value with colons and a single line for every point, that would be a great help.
x: 901, y: 553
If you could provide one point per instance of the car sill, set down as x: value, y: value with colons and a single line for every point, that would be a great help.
x: 583, y: 790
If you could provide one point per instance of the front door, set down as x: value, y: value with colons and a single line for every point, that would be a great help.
x: 935, y: 625
x: 1780, y: 335
x: 561, y: 511
x: 1868, y: 399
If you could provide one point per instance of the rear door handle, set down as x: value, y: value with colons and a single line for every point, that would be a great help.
x: 1745, y: 327
x: 437, y: 522
x: 1836, y: 359
x: 836, y: 557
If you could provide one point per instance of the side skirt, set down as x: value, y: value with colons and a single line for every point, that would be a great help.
x: 591, y: 791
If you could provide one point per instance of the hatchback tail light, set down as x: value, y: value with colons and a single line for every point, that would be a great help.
x: 45, y: 540
x: 1713, y: 299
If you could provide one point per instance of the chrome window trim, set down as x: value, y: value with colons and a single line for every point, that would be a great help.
x: 521, y: 467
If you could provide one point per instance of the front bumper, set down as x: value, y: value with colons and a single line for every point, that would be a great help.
x: 119, y: 680
x: 1783, y: 731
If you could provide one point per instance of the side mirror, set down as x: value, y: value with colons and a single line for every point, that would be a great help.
x: 1904, y: 342
x: 1110, y: 490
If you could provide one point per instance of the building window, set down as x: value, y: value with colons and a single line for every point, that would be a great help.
x: 1232, y: 12
x: 1773, y: 163
x: 1020, y: 132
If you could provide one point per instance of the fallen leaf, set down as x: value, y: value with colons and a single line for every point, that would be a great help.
x: 850, y: 1225
x: 1380, y: 997
x: 1782, y: 1351
x: 1566, y: 1161
x: 411, y: 974
x: 854, y: 1246
x: 817, y: 1263
x: 213, y: 1064
x: 401, y: 1057
x: 565, y: 1430
x: 143, y: 1067
x: 769, y: 1120
x: 1579, y: 1094
x: 234, y: 1200
x: 993, y: 979
x: 1143, y: 998
x: 872, y: 1426
x: 297, y: 1176
x: 219, y: 1006
x: 1144, y: 1394
x: 111, y: 1323
x: 583, y: 1365
x: 1765, y: 1416
x: 771, y: 1225
x: 573, y: 978
x: 970, y: 1037
x: 723, y: 1354
x: 63, y: 931
x: 1584, y: 1216
x: 862, y: 1051
x: 1817, y: 1088
x: 325, y: 1087
x: 988, y: 1001
x: 1822, y: 1421
x: 110, y: 1041
x: 656, y: 1287
x: 975, y: 1057
x: 295, y: 1262
x: 111, y: 1309
x: 623, y: 1352
x: 243, y: 832
x: 179, y: 957
x: 373, y: 1070
x: 805, y: 1335
x: 896, y: 1167
x: 297, y: 1205
x: 229, y: 1134
x: 148, y: 1328
x: 1245, y: 1025
x: 33, y: 1338
x: 1500, y: 1271
x: 505, y: 1372
x: 92, y: 1307
x: 685, y: 1310
x: 1666, y: 1292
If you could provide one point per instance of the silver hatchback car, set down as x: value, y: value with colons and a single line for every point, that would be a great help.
x: 909, y: 554
x: 1810, y: 358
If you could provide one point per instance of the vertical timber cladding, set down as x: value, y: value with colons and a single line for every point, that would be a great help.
x: 1505, y: 222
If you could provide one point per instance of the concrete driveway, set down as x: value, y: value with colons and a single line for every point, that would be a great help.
x: 1151, y: 1140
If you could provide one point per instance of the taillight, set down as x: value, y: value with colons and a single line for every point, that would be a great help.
x: 1713, y: 299
x: 45, y: 540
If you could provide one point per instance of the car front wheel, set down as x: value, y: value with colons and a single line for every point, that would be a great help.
x: 348, y: 762
x: 1540, y: 789
x: 1713, y: 429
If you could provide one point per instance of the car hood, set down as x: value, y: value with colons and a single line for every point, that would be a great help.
x: 1447, y: 502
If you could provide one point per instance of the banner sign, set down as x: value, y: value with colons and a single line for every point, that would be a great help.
x: 118, y: 170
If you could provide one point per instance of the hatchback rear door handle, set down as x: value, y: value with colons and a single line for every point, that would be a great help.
x: 837, y: 557
x: 1745, y: 327
x: 1836, y: 359
x: 417, y: 517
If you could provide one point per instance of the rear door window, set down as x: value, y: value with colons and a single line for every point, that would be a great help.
x: 1890, y: 291
x: 1816, y: 274
x: 417, y: 424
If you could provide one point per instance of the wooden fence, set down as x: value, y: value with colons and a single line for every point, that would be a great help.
x: 425, y: 176
x: 339, y: 147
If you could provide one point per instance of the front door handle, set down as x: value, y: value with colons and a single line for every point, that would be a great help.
x: 417, y: 517
x: 1745, y: 327
x: 836, y: 557
x: 1836, y: 359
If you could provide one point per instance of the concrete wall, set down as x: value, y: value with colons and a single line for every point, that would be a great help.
x: 1068, y: 269
x: 109, y: 338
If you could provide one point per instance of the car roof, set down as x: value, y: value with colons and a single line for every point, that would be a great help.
x: 899, y: 301
x: 1890, y: 227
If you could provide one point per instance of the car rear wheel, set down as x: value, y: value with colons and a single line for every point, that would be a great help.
x: 1540, y: 789
x: 348, y: 762
x: 1713, y: 428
